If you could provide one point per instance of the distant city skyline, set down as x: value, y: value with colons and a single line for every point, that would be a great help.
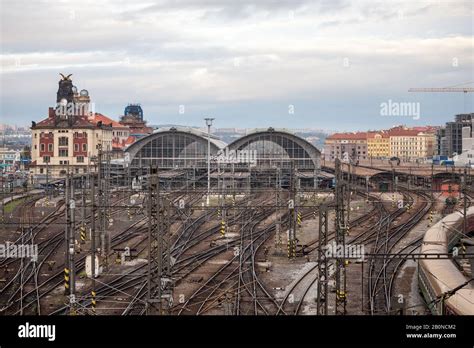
x: 213, y: 129
x: 240, y: 129
x: 328, y: 65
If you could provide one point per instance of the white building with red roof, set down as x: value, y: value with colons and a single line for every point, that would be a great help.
x: 72, y: 135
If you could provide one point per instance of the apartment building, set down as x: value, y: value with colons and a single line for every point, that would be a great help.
x: 378, y: 144
x: 346, y: 146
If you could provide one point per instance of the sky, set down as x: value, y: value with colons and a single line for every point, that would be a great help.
x: 328, y: 64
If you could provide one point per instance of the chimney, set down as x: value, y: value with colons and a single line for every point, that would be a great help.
x: 51, y: 113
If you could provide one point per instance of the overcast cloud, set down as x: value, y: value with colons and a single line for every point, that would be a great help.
x: 242, y: 62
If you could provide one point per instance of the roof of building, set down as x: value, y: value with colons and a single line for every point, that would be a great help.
x: 398, y: 131
x: 373, y: 134
x: 196, y: 131
x: 403, y: 132
x: 79, y: 122
x: 427, y: 129
x: 50, y: 122
x: 124, y: 143
x: 140, y: 130
x: 348, y: 136
x: 106, y: 121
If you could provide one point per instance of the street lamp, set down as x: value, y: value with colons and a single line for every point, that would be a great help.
x: 208, y: 124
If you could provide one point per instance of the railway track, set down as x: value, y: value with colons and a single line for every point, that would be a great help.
x: 236, y: 284
x: 382, y: 271
x: 134, y: 278
x: 308, y: 279
x: 50, y: 246
x: 237, y: 276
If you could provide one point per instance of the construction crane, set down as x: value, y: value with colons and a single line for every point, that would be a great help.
x: 455, y: 89
x: 446, y: 89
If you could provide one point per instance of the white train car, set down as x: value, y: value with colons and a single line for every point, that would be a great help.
x: 437, y: 277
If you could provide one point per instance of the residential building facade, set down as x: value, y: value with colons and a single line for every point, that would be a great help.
x: 405, y: 143
x: 410, y: 144
x: 378, y: 144
x: 9, y: 159
x: 346, y: 146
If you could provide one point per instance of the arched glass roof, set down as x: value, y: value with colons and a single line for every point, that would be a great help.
x: 280, y: 148
x: 173, y: 147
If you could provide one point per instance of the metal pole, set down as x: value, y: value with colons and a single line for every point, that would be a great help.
x: 102, y: 186
x: 432, y: 179
x: 209, y: 124
x: 464, y: 226
x: 93, y: 239
x: 278, y: 241
x: 66, y: 236
x: 322, y: 295
x: 159, y: 282
x: 47, y: 180
x: 4, y: 195
x: 362, y: 285
x: 341, y: 228
x: 349, y: 177
x: 153, y: 305
x: 208, y: 163
x: 100, y: 199
x: 292, y: 215
x: 367, y: 187
x: 72, y: 206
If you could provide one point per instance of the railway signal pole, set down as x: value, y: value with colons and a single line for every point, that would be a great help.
x: 83, y: 232
x: 464, y: 190
x: 159, y: 282
x: 322, y: 298
x: 348, y: 193
x: 278, y: 239
x: 208, y: 124
x: 103, y: 193
x: 221, y: 200
x: 69, y: 270
x: 100, y: 198
x: 93, y: 242
x: 341, y: 227
x: 292, y: 216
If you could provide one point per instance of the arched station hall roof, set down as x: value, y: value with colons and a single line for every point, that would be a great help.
x: 173, y: 147
x: 178, y: 147
x: 279, y: 146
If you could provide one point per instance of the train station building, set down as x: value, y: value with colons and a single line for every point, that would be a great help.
x: 261, y: 155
